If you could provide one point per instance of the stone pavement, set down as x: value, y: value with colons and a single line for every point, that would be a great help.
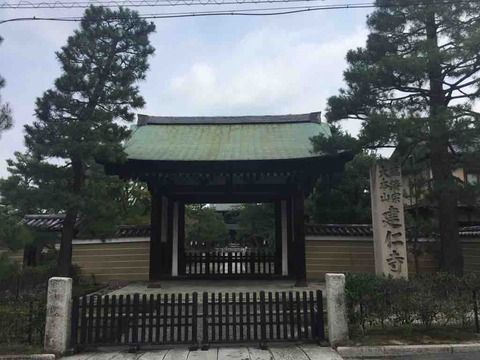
x: 292, y: 352
x: 213, y: 286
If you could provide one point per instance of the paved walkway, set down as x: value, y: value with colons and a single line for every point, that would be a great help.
x: 300, y: 352
x: 213, y: 286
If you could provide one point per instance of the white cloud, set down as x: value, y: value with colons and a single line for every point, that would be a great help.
x: 202, y: 66
x: 269, y: 68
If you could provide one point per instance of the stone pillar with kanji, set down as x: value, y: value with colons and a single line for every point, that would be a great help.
x: 388, y: 219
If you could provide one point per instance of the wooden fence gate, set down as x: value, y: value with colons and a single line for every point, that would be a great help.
x: 168, y: 319
x: 228, y: 264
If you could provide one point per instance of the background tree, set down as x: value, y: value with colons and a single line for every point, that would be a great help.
x: 134, y: 198
x: 256, y: 225
x: 13, y: 235
x: 107, y: 202
x: 414, y: 84
x: 204, y: 227
x: 79, y: 120
x: 5, y: 111
x: 20, y: 196
x: 342, y: 198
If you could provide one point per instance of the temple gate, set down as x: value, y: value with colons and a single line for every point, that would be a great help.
x: 245, y: 159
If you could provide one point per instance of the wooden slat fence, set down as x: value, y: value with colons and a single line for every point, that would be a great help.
x: 133, y: 320
x: 262, y: 317
x: 229, y: 264
x: 185, y: 319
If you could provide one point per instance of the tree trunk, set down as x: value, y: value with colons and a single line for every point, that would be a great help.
x: 30, y: 255
x: 65, y: 254
x: 446, y: 196
x: 444, y: 185
x: 64, y: 263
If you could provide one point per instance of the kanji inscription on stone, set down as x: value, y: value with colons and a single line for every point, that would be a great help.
x: 388, y: 219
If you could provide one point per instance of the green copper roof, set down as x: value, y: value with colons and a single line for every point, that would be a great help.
x: 226, y: 140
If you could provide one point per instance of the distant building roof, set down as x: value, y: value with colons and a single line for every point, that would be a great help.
x: 54, y: 222
x: 47, y: 222
x: 470, y: 231
x: 225, y: 207
x: 339, y: 229
x: 273, y: 137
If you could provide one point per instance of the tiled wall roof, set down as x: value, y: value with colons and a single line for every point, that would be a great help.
x: 53, y: 222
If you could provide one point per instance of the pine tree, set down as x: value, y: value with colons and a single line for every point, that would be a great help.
x: 80, y: 121
x: 339, y: 198
x: 5, y: 111
x: 414, y: 85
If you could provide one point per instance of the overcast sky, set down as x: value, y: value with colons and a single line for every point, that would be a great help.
x: 202, y: 66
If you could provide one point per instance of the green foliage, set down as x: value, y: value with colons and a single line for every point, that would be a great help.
x: 102, y: 63
x: 22, y: 321
x: 428, y: 300
x: 13, y: 235
x: 338, y: 141
x: 81, y: 121
x: 343, y: 198
x: 31, y: 183
x: 204, y: 227
x: 256, y: 225
x: 135, y: 203
x: 110, y: 202
x: 27, y: 282
x: 8, y: 267
x: 413, y: 86
x: 5, y: 111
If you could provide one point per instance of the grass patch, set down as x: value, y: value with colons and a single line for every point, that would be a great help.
x: 415, y: 336
x: 85, y: 289
x: 10, y: 349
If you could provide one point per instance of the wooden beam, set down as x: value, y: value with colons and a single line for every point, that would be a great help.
x: 169, y: 245
x: 164, y: 255
x: 317, y: 164
x: 278, y: 237
x: 226, y: 198
x: 299, y: 231
x: 291, y: 236
x: 181, y: 238
x: 284, y: 235
x: 236, y: 189
x: 155, y: 234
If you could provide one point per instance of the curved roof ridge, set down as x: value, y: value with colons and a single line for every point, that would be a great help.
x: 313, y: 117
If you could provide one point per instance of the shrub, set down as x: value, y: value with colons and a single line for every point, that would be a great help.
x: 8, y: 267
x: 428, y: 300
x: 29, y: 281
x: 22, y: 320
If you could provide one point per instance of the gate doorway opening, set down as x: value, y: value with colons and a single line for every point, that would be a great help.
x: 231, y: 241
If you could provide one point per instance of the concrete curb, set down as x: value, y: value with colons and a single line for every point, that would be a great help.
x: 28, y: 357
x: 366, y: 352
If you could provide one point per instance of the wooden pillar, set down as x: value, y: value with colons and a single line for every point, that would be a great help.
x: 278, y: 238
x: 299, y: 234
x: 167, y: 268
x: 175, y: 227
x: 155, y: 237
x: 284, y: 230
x: 290, y: 237
x: 181, y: 238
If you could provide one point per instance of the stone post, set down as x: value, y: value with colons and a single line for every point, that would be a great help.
x: 336, y: 309
x: 59, y: 314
